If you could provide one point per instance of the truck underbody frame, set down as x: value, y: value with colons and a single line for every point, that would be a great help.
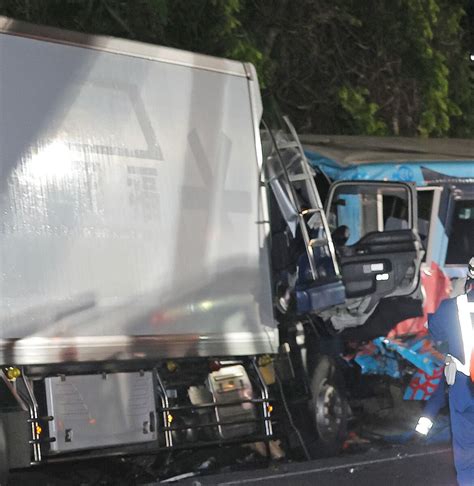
x: 238, y: 411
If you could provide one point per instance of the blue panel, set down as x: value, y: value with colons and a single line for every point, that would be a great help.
x: 320, y: 297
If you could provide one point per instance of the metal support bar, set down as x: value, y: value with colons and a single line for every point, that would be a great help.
x: 40, y: 419
x: 164, y: 406
x: 265, y: 399
x: 214, y: 424
x: 47, y: 440
x: 210, y: 405
x: 33, y: 409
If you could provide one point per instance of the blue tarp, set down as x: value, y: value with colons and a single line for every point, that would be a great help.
x: 402, y: 172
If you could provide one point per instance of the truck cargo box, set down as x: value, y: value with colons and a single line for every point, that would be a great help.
x: 131, y: 219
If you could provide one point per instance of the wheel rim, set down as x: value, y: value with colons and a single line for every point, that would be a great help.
x: 329, y: 411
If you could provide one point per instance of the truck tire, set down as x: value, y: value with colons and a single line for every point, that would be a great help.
x: 328, y: 407
x: 4, y: 468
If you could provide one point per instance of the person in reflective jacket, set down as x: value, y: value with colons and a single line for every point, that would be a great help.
x: 453, y: 323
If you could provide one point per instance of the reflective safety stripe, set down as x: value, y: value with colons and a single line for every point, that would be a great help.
x: 424, y: 425
x: 464, y: 314
x: 472, y: 365
x: 471, y: 311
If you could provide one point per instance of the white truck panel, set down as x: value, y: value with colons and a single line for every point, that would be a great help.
x: 130, y: 209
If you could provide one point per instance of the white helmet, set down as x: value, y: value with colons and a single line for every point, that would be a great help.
x: 470, y: 269
x: 469, y: 276
x: 462, y: 285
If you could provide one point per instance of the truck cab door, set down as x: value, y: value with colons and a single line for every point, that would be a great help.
x: 374, y: 230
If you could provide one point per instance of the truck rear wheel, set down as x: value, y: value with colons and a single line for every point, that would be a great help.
x: 328, y: 408
x: 4, y: 468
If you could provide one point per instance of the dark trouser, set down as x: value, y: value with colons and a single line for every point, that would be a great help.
x: 437, y: 401
x: 461, y: 405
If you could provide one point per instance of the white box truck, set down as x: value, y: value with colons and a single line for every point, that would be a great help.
x: 155, y: 255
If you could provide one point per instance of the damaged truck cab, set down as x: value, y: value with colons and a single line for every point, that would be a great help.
x: 160, y: 253
x: 443, y: 172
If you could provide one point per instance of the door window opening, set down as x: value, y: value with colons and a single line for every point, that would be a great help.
x: 461, y: 234
x: 365, y: 208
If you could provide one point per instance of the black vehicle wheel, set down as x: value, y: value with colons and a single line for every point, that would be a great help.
x: 4, y: 468
x: 328, y: 408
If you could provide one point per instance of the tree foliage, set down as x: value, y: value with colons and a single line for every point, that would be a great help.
x: 336, y: 66
x: 374, y: 67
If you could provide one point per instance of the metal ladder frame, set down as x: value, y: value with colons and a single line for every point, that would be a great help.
x: 315, y: 200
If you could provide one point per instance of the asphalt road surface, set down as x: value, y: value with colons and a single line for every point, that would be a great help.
x: 400, y: 466
x: 408, y: 465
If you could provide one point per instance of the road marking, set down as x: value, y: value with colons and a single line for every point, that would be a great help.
x: 334, y: 468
